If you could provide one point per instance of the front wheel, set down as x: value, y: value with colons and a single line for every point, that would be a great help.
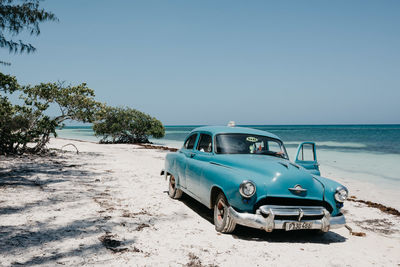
x: 223, y: 223
x: 173, y: 191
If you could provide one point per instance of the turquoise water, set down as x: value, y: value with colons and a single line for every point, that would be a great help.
x: 358, y: 152
x: 372, y: 138
x: 383, y: 139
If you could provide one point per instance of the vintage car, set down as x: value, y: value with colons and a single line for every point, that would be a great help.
x: 245, y: 175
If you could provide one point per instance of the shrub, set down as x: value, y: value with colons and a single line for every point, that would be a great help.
x: 127, y: 125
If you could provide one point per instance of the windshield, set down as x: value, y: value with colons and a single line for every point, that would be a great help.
x: 249, y: 144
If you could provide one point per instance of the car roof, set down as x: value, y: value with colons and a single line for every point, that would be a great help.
x: 226, y: 129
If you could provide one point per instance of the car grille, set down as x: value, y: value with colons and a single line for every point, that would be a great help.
x: 283, y: 201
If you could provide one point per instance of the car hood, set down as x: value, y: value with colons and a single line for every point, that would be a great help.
x: 274, y: 176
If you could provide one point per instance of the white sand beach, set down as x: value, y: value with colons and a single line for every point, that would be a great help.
x: 108, y: 206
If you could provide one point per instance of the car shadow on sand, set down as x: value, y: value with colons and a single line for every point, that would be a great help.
x: 251, y: 234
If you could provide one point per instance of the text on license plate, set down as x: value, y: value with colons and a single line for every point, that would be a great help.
x: 289, y: 226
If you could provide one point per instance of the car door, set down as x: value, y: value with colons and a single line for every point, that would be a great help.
x: 203, y: 155
x: 306, y: 157
x: 187, y: 151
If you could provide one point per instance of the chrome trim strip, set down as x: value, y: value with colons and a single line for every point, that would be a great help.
x: 218, y: 164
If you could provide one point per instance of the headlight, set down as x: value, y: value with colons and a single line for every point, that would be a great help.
x: 247, y: 189
x: 341, y: 194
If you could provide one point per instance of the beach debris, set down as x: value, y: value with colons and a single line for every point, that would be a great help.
x: 359, y: 234
x: 135, y: 249
x: 128, y: 214
x: 148, y: 146
x: 141, y: 226
x: 70, y: 144
x: 383, y: 208
x: 354, y: 233
x: 194, y: 260
x: 71, y: 166
x: 112, y: 244
x: 383, y: 226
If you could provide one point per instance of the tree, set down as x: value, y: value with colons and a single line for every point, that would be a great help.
x: 8, y: 113
x: 17, y: 16
x: 28, y: 123
x: 127, y: 125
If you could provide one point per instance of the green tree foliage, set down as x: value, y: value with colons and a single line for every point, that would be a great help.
x: 27, y: 127
x: 127, y: 125
x: 18, y: 16
x: 28, y: 123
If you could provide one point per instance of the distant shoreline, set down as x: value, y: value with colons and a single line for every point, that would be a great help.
x: 272, y: 125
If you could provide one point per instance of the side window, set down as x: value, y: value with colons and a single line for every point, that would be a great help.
x: 189, y: 144
x: 205, y: 143
x: 306, y: 153
x: 274, y: 146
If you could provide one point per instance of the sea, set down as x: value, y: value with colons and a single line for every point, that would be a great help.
x: 367, y: 153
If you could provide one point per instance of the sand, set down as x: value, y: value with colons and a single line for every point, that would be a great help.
x: 108, y: 205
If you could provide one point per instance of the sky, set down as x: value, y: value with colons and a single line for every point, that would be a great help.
x: 210, y: 62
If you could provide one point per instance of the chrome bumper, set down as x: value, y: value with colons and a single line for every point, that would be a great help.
x: 270, y: 217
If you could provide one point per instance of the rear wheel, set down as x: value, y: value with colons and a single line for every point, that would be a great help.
x: 173, y: 191
x: 223, y: 223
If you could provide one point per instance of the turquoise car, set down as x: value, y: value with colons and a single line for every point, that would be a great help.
x: 245, y: 175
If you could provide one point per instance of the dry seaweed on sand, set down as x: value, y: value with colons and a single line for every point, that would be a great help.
x: 141, y: 226
x: 148, y: 146
x: 194, y: 261
x: 383, y: 208
x: 111, y: 244
x: 355, y: 233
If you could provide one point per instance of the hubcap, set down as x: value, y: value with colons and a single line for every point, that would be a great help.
x: 172, y: 182
x: 220, y: 210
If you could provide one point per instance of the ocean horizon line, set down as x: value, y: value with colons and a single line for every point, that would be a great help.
x: 247, y: 125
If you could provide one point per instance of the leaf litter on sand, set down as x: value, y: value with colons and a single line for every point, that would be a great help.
x: 112, y: 244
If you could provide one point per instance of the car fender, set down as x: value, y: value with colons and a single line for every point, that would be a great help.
x: 226, y: 180
x: 329, y: 194
x: 170, y: 167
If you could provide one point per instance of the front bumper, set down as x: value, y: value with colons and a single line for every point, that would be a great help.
x: 270, y: 217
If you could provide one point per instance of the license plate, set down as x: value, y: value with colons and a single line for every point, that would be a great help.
x: 289, y: 226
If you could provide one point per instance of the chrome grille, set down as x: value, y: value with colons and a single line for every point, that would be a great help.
x: 284, y: 201
x: 293, y: 212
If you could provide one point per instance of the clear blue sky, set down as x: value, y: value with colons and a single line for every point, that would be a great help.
x: 208, y: 62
